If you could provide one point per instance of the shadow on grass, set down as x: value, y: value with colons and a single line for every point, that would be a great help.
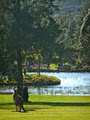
x: 50, y: 104
x: 27, y: 106
x: 58, y: 104
x: 10, y: 106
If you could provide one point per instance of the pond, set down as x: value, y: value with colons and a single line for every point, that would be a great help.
x: 71, y: 84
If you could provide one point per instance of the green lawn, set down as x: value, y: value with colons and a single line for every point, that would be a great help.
x: 47, y: 107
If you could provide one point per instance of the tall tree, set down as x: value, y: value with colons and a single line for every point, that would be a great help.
x: 29, y: 21
x: 3, y: 40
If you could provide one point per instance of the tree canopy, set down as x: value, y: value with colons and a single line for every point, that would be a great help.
x: 31, y: 27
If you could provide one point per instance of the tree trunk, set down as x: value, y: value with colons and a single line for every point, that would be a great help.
x: 20, y: 76
x: 19, y: 51
x: 39, y: 65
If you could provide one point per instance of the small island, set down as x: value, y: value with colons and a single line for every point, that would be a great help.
x: 33, y: 80
x: 41, y: 80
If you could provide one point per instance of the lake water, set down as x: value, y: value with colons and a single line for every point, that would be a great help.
x: 71, y: 84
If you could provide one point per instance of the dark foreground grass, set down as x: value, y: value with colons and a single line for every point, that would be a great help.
x: 47, y: 107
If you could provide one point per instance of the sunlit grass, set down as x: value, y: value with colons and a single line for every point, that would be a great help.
x: 47, y: 107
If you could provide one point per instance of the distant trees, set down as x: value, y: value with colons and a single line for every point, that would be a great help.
x: 85, y: 7
x: 85, y: 39
x: 68, y: 41
x: 73, y: 42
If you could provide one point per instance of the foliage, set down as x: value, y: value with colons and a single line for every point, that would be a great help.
x: 69, y: 47
x: 41, y: 80
x: 53, y: 66
x: 3, y: 44
x: 85, y: 7
x: 85, y: 37
x: 68, y: 41
x: 30, y: 26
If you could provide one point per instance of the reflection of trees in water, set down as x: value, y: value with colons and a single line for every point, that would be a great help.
x: 63, y: 91
x: 78, y: 90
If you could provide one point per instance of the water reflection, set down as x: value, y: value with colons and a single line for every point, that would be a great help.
x: 61, y: 90
x: 71, y: 84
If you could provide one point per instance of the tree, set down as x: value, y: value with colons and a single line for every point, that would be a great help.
x: 3, y: 41
x: 85, y: 7
x: 67, y: 43
x: 28, y: 22
x: 85, y: 39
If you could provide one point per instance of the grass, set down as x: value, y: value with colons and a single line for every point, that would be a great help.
x: 47, y: 107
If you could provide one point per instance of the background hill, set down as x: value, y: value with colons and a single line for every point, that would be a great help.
x: 72, y: 6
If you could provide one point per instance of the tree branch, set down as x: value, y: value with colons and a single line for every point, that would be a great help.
x: 31, y: 5
x: 33, y: 52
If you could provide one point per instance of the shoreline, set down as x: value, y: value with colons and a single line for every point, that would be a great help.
x: 61, y: 71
